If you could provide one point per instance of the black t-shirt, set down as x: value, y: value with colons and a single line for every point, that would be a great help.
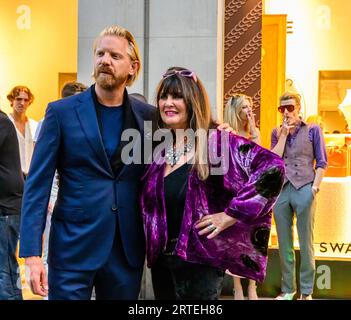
x: 175, y: 188
x: 11, y: 177
x: 111, y: 127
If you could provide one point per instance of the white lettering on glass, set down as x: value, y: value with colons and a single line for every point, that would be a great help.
x: 24, y: 19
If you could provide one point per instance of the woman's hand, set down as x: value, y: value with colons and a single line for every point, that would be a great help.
x: 213, y: 224
x: 252, y: 122
x: 225, y: 127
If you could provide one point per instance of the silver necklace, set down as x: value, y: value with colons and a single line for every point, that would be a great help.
x: 173, y: 155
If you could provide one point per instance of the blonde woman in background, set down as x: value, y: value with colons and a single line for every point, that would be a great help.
x: 238, y: 113
x: 315, y: 119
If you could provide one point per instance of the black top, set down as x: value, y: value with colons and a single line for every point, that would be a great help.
x: 11, y: 177
x: 111, y: 127
x: 175, y: 187
x: 129, y: 122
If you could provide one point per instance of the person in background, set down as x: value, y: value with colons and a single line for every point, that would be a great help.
x: 72, y: 88
x: 138, y: 96
x: 96, y: 236
x: 238, y: 113
x: 315, y: 119
x: 21, y: 98
x: 69, y: 89
x: 199, y: 222
x: 11, y: 190
x: 300, y: 145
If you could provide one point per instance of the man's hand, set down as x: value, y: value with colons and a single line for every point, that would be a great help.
x: 285, y: 128
x: 315, y: 190
x: 37, y: 276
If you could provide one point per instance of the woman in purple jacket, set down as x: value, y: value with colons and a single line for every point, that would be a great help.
x: 206, y: 198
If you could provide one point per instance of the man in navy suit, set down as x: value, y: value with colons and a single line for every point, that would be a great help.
x: 96, y: 236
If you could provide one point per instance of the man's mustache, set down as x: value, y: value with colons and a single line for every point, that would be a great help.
x: 105, y: 70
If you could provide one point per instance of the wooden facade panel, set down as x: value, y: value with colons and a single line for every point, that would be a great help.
x: 242, y: 50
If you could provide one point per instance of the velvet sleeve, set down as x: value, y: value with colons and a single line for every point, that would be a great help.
x: 258, y: 175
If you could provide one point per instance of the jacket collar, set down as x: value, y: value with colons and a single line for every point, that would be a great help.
x: 86, y: 112
x: 134, y: 115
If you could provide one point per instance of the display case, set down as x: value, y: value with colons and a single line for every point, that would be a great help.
x: 339, y: 154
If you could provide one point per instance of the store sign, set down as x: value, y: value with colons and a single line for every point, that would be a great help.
x: 333, y: 250
x: 24, y: 19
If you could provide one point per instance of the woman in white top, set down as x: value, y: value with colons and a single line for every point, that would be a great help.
x: 238, y: 113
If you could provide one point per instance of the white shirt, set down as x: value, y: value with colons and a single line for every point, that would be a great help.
x: 36, y: 134
x: 54, y: 188
x: 26, y: 143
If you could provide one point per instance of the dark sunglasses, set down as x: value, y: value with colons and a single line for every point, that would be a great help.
x: 184, y: 73
x: 289, y: 107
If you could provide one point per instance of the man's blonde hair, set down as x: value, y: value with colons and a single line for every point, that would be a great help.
x: 133, y: 50
x: 291, y: 95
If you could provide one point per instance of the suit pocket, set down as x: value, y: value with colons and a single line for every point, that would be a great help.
x: 70, y: 214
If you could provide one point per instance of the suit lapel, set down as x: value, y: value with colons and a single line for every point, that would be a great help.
x: 130, y: 121
x: 86, y: 113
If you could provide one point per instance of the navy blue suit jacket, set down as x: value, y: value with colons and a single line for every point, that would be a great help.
x: 93, y: 202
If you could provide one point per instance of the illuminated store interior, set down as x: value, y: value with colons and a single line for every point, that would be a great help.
x: 318, y: 67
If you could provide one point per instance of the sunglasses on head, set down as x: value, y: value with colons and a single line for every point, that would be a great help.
x: 184, y: 73
x: 289, y: 107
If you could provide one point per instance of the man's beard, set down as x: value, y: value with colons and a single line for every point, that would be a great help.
x: 108, y: 81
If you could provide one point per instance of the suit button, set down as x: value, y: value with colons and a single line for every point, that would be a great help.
x: 114, y: 208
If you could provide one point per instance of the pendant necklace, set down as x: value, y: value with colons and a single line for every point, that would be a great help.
x: 173, y: 155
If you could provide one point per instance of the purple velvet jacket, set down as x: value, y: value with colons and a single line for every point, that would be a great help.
x: 250, y: 182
